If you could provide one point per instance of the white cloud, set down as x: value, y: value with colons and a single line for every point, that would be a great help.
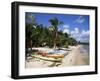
x: 80, y: 19
x: 65, y: 26
x: 75, y: 31
x: 82, y: 36
x: 66, y: 31
x: 85, y: 32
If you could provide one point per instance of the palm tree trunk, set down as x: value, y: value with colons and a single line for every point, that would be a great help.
x: 54, y: 44
x: 55, y: 39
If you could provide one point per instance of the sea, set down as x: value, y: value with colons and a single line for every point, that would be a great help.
x: 85, y: 49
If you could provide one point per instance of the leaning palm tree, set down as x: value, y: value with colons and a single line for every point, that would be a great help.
x: 55, y: 23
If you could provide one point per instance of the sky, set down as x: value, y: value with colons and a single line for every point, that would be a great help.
x: 75, y: 25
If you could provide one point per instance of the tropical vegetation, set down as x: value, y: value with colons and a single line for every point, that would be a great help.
x: 38, y: 35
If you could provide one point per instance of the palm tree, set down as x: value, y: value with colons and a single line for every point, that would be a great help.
x: 29, y: 23
x: 55, y: 23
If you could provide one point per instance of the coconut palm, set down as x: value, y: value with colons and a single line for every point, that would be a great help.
x: 30, y: 28
x: 55, y: 23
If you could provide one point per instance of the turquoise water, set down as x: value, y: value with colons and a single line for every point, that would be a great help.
x: 57, y: 52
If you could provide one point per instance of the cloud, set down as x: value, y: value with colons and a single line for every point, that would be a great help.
x: 75, y: 31
x: 82, y: 36
x: 66, y: 28
x: 86, y: 33
x: 79, y: 35
x: 66, y: 31
x: 80, y: 19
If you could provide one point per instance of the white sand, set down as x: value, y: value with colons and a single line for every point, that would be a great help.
x: 37, y: 63
x: 74, y: 58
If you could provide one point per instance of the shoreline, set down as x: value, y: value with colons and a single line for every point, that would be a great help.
x: 74, y: 58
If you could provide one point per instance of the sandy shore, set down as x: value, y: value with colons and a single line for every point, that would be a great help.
x: 74, y: 58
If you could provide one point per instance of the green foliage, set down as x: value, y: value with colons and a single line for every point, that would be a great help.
x: 55, y: 23
x: 72, y: 41
x: 37, y: 35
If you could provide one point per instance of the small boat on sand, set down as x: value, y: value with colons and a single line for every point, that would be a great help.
x: 47, y: 58
x: 55, y: 55
x: 51, y: 54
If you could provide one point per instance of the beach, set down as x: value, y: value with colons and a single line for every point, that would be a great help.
x: 77, y: 56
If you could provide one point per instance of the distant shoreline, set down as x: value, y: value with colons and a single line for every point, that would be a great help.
x: 83, y: 43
